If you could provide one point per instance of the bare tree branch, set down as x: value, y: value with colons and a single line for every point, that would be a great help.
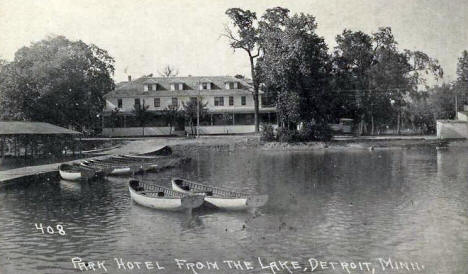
x: 169, y: 71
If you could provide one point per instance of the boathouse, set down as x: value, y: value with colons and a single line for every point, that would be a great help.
x: 19, y: 138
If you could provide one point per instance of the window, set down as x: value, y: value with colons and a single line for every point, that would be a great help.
x: 137, y: 102
x: 231, y: 100
x: 232, y: 85
x: 219, y: 101
x: 243, y: 100
x: 175, y: 102
x: 119, y: 103
x: 177, y: 86
x: 149, y: 87
x: 157, y: 102
x: 205, y: 85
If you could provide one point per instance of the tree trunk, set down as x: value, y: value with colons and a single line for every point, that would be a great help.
x: 255, y: 94
x: 372, y: 124
x: 399, y: 123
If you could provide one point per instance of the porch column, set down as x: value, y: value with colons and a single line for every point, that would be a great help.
x: 211, y: 118
x: 233, y: 119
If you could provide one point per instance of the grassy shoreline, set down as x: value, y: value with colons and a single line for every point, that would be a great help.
x: 232, y: 143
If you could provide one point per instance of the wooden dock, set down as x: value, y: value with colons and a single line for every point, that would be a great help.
x: 28, y: 174
x: 50, y: 171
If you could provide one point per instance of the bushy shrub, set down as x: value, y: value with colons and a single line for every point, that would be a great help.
x: 314, y: 132
x: 267, y: 133
x: 286, y: 135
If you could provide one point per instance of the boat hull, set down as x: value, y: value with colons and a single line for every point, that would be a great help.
x: 228, y: 203
x: 70, y: 175
x: 75, y: 173
x: 121, y: 171
x: 161, y: 198
x: 162, y: 204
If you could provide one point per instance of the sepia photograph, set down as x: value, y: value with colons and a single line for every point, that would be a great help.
x: 232, y: 137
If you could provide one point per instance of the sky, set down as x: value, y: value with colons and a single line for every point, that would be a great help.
x: 143, y: 36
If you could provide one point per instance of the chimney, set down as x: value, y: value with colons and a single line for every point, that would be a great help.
x: 129, y: 78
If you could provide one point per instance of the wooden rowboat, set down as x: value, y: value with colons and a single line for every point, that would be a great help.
x: 76, y: 172
x: 114, y: 169
x: 133, y: 164
x: 220, y: 197
x: 140, y: 157
x: 158, y: 197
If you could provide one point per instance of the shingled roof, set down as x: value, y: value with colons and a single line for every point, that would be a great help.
x: 32, y: 128
x: 191, y: 86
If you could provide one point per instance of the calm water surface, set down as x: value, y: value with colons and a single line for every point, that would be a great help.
x: 407, y: 205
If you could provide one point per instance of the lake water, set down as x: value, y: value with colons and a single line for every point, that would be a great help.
x: 408, y: 206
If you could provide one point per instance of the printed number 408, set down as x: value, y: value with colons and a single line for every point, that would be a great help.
x: 50, y: 229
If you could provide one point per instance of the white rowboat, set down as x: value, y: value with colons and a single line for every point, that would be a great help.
x: 162, y: 198
x: 75, y: 172
x: 219, y: 197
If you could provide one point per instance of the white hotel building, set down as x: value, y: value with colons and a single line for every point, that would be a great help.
x: 229, y: 103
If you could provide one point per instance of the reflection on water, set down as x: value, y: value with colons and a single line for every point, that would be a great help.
x: 408, y: 205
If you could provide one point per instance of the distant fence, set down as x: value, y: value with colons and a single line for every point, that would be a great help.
x: 452, y: 129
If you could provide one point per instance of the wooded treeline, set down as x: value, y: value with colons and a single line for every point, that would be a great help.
x: 58, y: 81
x: 366, y: 77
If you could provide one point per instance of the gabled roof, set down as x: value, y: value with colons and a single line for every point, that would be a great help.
x: 26, y: 128
x: 150, y: 81
x: 191, y: 86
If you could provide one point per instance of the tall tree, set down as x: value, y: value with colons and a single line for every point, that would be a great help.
x: 295, y: 60
x: 245, y: 35
x: 58, y: 81
x: 352, y: 60
x: 379, y: 76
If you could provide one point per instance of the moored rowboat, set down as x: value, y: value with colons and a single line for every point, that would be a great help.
x: 123, y: 166
x: 76, y: 172
x: 158, y: 197
x: 219, y: 197
x: 114, y: 169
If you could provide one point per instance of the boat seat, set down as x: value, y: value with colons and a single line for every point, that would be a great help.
x: 135, y: 184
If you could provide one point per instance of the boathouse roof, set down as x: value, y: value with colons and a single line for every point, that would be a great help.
x: 32, y: 128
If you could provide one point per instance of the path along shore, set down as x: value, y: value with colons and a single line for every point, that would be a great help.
x: 181, y: 145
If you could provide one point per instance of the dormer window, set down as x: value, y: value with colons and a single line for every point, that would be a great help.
x: 205, y: 85
x: 177, y: 86
x: 149, y: 87
x: 231, y: 85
